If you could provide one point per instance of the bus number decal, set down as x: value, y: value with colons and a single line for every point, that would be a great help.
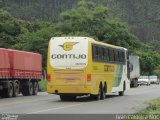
x: 109, y: 68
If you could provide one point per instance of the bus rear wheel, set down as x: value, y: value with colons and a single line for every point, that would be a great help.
x: 101, y: 94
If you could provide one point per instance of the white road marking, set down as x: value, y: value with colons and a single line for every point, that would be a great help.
x: 68, y: 106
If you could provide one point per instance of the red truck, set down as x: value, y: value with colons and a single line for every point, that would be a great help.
x: 20, y: 71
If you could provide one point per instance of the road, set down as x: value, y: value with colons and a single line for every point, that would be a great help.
x: 44, y: 103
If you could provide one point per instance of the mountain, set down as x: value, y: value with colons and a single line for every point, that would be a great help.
x: 142, y: 16
x: 28, y: 25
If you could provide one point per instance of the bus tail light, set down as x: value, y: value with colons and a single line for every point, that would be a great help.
x: 49, y: 77
x: 88, y: 77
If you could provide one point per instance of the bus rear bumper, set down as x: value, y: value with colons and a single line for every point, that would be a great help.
x: 68, y: 89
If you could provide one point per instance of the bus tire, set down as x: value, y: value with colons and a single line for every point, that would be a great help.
x: 98, y: 96
x: 103, y: 93
x: 121, y: 93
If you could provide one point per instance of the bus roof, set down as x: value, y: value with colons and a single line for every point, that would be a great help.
x: 106, y: 44
x: 93, y: 41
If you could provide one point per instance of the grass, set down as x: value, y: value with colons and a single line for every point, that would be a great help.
x: 152, y: 112
x: 43, y: 85
x: 153, y: 107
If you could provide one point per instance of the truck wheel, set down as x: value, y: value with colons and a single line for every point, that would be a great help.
x: 16, y: 89
x: 35, y: 88
x: 8, y: 92
x: 30, y: 89
x: 136, y: 83
x: 27, y: 89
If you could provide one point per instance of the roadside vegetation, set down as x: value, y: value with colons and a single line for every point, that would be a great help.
x: 153, y: 107
x: 42, y: 85
x: 151, y: 112
x: 87, y: 19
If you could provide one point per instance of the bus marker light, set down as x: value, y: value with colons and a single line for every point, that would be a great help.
x: 48, y: 77
x: 88, y: 77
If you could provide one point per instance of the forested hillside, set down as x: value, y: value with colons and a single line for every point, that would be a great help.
x: 29, y: 24
x: 142, y: 16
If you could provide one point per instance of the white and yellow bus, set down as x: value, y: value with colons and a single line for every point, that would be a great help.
x: 82, y: 66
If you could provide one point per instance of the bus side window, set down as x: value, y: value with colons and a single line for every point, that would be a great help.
x: 103, y: 54
x: 119, y: 57
x: 116, y: 56
x: 94, y: 52
x: 123, y: 57
x: 100, y: 54
x: 127, y: 54
x: 110, y: 55
x: 106, y: 54
x: 113, y: 55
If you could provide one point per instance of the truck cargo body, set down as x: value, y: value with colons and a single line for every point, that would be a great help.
x: 19, y: 71
x: 4, y: 64
x: 135, y: 73
x: 25, y: 64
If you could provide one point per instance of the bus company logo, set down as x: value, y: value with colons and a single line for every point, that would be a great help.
x: 67, y: 46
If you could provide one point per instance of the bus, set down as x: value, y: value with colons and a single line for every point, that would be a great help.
x: 78, y: 66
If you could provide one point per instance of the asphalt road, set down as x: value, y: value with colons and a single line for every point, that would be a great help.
x: 45, y: 103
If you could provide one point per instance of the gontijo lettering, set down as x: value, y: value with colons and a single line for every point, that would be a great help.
x: 68, y: 56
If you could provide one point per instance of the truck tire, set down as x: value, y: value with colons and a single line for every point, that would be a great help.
x: 16, y: 89
x: 35, y: 88
x: 27, y: 89
x: 8, y: 92
x: 30, y: 89
x: 136, y: 83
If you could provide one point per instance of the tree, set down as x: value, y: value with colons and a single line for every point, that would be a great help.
x: 95, y: 20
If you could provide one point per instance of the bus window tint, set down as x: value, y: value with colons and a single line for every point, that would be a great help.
x: 93, y: 52
x: 100, y: 54
x: 110, y: 55
x: 118, y: 56
x: 123, y: 57
x: 106, y: 54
